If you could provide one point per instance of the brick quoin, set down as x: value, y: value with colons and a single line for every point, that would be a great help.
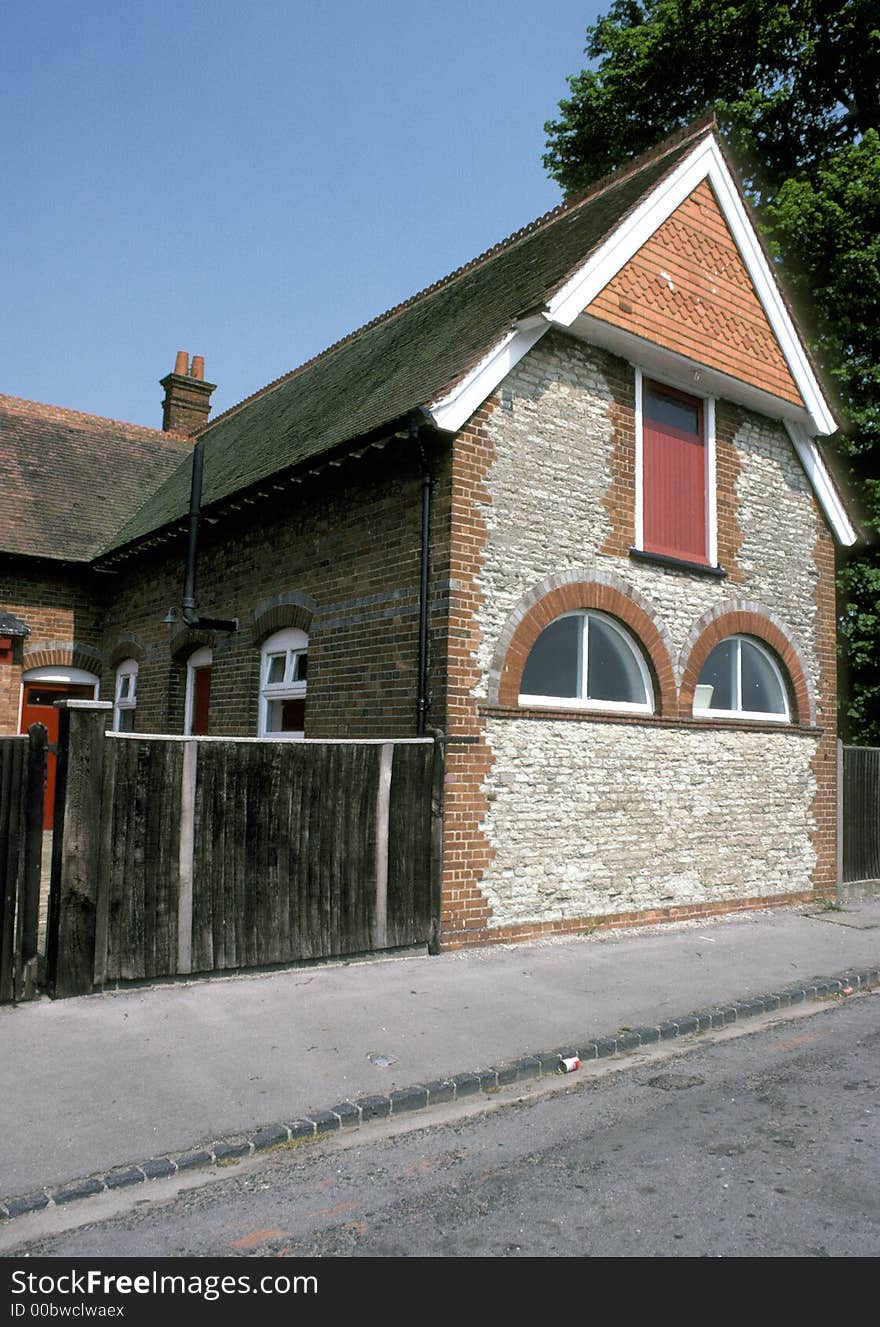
x: 824, y: 763
x: 466, y: 850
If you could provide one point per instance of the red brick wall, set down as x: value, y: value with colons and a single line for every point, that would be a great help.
x: 825, y: 760
x: 466, y: 851
x: 347, y: 545
x: 60, y: 605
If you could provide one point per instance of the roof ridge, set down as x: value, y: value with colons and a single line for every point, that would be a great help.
x: 44, y: 408
x: 568, y: 204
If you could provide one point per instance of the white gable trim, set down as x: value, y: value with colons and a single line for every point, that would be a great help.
x: 451, y: 410
x: 705, y: 162
x: 823, y: 484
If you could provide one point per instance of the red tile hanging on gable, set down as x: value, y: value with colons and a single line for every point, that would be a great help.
x: 687, y: 289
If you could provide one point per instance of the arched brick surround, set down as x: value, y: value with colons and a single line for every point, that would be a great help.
x: 185, y: 641
x: 746, y: 619
x: 282, y: 610
x: 577, y: 591
x: 125, y: 646
x: 64, y: 654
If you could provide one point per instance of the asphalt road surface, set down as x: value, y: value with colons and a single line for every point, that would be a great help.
x: 766, y: 1144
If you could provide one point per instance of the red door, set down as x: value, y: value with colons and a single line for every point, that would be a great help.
x: 201, y: 700
x: 38, y: 706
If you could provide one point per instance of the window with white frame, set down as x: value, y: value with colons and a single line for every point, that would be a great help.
x: 740, y: 679
x: 675, y: 474
x: 283, y: 671
x: 125, y: 696
x: 586, y: 660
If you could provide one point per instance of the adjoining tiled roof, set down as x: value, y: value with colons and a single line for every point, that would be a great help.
x: 408, y: 356
x: 69, y: 481
x: 10, y: 625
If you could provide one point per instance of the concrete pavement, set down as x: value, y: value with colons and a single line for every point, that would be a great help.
x: 108, y: 1080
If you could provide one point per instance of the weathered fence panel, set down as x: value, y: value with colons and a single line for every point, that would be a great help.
x: 409, y: 848
x: 140, y: 868
x: 861, y: 813
x: 212, y: 854
x: 22, y: 779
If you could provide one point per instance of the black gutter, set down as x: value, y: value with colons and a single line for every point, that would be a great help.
x: 422, y: 702
x: 188, y: 610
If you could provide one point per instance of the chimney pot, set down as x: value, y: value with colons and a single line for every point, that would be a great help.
x: 187, y: 401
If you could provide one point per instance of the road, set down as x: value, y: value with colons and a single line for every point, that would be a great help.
x: 766, y: 1144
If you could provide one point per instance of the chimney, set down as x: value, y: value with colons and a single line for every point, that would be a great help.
x: 187, y: 401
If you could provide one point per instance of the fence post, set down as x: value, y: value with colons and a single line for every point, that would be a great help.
x: 76, y: 887
x: 29, y: 905
x: 437, y: 786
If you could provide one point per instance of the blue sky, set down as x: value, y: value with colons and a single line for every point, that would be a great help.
x: 252, y: 181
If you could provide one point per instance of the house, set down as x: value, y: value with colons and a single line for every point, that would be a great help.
x: 568, y: 507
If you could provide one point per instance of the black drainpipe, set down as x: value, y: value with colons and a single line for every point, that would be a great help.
x: 422, y: 702
x: 188, y: 610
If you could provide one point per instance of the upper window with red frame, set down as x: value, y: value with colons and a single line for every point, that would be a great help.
x: 674, y: 474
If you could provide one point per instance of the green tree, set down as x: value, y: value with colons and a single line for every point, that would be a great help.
x: 796, y: 90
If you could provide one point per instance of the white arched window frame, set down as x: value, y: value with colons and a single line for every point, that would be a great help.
x: 202, y: 658
x: 283, y: 671
x: 613, y: 653
x: 125, y: 696
x: 738, y: 671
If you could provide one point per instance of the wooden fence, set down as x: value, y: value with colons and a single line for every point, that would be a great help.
x: 860, y: 813
x: 22, y: 779
x: 179, y: 855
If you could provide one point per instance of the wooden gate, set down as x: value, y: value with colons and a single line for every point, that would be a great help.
x: 180, y: 855
x: 22, y: 780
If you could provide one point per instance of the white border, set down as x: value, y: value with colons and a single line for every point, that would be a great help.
x: 640, y: 460
x: 451, y: 410
x: 128, y: 668
x: 711, y: 481
x: 823, y: 485
x: 711, y: 501
x: 287, y: 641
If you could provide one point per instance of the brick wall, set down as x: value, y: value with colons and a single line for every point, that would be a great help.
x: 337, y: 555
x: 60, y: 605
x: 554, y: 823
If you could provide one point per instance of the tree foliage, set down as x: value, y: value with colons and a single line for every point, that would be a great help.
x: 796, y: 90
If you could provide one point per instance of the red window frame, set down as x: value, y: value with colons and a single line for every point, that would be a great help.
x: 674, y: 481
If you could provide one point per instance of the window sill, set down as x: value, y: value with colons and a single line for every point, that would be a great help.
x: 678, y: 564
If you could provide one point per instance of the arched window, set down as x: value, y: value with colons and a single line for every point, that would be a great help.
x: 741, y: 679
x: 125, y: 696
x: 590, y: 662
x: 283, y: 670
x: 197, y: 704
